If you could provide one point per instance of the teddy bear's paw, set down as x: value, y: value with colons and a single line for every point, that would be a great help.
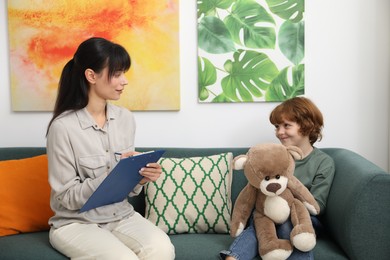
x: 304, y: 241
x: 310, y: 208
x: 239, y: 229
x: 239, y: 162
x: 277, y: 254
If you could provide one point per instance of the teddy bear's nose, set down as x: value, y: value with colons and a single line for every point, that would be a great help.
x: 273, y: 187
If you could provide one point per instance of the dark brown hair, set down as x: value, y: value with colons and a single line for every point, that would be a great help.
x: 302, y: 111
x: 94, y: 53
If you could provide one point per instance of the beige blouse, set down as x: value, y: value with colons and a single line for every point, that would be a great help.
x: 81, y: 155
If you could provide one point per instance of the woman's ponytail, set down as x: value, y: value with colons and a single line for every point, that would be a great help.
x: 72, y: 91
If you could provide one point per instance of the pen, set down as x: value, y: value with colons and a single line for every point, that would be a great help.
x: 117, y: 156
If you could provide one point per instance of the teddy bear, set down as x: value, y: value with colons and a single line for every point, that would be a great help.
x: 274, y: 194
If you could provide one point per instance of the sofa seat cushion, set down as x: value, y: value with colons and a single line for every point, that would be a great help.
x: 28, y: 246
x: 208, y: 246
x: 326, y: 248
x: 200, y: 246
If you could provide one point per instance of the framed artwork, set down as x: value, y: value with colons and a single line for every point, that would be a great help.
x: 44, y: 34
x: 250, y: 50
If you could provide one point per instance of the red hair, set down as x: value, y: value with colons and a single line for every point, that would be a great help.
x: 302, y: 111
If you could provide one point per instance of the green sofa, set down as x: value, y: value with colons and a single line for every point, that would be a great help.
x: 357, y: 219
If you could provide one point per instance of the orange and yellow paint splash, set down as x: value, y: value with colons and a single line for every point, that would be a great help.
x: 44, y: 34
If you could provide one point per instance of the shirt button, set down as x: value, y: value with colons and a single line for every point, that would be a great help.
x: 108, y: 167
x: 107, y: 151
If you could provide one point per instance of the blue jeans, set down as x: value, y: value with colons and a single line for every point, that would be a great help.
x: 245, y: 246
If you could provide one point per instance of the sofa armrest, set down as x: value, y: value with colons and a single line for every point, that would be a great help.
x: 358, y: 208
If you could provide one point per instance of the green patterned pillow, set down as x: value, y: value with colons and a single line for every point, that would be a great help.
x: 192, y: 195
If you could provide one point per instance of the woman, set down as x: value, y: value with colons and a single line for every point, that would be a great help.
x: 297, y: 122
x: 83, y: 137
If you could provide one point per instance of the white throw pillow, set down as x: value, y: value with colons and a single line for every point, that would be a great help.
x: 193, y: 195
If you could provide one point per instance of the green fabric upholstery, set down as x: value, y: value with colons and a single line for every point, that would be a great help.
x: 358, y: 210
x: 357, y: 220
x: 28, y: 247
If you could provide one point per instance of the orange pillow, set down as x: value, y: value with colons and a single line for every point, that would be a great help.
x: 24, y: 195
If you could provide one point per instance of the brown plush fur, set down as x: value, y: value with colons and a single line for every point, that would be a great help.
x: 275, y: 195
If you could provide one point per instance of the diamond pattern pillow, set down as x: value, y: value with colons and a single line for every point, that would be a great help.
x: 193, y: 195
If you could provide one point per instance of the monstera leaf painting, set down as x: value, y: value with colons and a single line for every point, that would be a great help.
x: 44, y: 34
x: 250, y: 50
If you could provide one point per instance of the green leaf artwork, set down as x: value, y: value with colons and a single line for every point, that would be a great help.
x: 250, y: 50
x: 291, y: 41
x: 209, y: 7
x: 207, y: 77
x: 287, y: 9
x: 214, y: 37
x: 282, y: 88
x: 249, y: 74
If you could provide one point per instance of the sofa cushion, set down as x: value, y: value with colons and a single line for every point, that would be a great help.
x: 193, y: 195
x: 30, y: 246
x: 24, y: 195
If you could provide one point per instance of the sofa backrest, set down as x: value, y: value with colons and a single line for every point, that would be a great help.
x: 239, y: 180
x: 9, y: 153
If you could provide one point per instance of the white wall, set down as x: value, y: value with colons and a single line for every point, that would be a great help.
x: 347, y: 75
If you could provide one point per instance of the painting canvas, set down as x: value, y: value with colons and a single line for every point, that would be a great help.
x: 44, y: 34
x: 250, y: 50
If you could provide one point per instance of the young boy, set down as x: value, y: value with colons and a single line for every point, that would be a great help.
x: 297, y: 122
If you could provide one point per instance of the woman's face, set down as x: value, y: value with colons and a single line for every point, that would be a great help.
x: 108, y: 89
x: 288, y: 134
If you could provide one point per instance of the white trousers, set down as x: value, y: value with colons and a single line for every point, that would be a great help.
x: 132, y: 238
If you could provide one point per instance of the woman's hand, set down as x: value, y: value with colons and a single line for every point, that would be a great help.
x: 151, y: 173
x: 128, y: 154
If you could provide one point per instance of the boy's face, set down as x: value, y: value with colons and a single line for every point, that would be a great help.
x: 288, y: 134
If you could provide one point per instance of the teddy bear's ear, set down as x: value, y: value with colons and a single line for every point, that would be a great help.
x: 296, y: 153
x: 239, y: 162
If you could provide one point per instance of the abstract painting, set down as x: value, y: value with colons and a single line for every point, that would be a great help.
x: 44, y: 34
x: 250, y: 50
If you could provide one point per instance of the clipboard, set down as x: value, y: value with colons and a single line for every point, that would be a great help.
x: 121, y: 180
